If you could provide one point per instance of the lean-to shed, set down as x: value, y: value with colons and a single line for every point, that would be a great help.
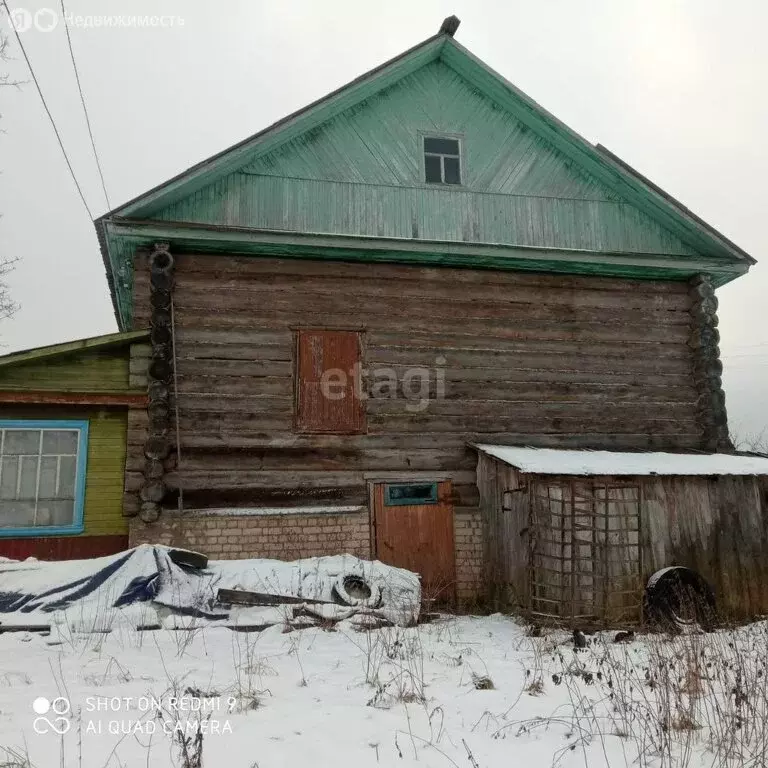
x: 63, y: 424
x: 575, y: 535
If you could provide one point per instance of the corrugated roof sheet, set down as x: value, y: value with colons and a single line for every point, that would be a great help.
x: 549, y: 461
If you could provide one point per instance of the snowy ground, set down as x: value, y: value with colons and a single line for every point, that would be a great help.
x: 465, y: 691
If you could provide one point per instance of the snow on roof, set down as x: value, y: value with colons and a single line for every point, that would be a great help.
x: 549, y: 461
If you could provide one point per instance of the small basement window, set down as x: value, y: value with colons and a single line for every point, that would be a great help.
x: 42, y: 477
x: 442, y: 160
x: 416, y: 494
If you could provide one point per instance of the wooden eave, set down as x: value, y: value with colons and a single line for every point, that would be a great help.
x: 206, y: 238
x: 93, y: 344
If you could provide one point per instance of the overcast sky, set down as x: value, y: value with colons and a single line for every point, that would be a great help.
x: 677, y: 88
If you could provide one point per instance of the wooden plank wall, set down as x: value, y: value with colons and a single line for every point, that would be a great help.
x: 535, y: 359
x: 505, y: 532
x: 716, y: 525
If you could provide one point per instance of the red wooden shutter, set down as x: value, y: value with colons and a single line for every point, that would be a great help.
x: 328, y: 362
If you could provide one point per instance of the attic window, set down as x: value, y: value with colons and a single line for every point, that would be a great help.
x: 442, y: 160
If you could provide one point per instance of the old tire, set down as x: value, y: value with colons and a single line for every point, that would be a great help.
x: 188, y: 559
x: 353, y: 590
x: 679, y: 597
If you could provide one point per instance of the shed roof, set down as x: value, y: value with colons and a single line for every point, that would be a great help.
x: 550, y: 461
x: 91, y: 344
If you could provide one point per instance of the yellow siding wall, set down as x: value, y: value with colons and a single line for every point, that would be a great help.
x: 106, y: 474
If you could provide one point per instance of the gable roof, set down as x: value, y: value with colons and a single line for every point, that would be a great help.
x: 596, y: 160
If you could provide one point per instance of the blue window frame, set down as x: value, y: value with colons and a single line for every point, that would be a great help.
x: 416, y: 494
x: 42, y: 477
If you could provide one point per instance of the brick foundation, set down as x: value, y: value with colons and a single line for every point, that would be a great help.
x: 280, y: 536
x: 468, y: 536
x: 291, y: 536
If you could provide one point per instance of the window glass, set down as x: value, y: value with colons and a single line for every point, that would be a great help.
x: 48, y: 472
x: 38, y: 477
x: 451, y: 170
x: 21, y: 441
x: 442, y: 160
x: 9, y: 468
x: 60, y: 441
x: 441, y: 146
x: 28, y: 477
x: 410, y: 494
x: 17, y: 514
x: 432, y: 169
x: 66, y: 478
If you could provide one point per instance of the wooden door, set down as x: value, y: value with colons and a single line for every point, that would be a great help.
x: 414, y: 530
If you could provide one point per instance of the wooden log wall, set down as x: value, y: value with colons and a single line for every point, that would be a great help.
x: 535, y: 359
x: 708, y: 369
x: 157, y: 445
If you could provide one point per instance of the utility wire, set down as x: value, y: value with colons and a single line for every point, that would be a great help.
x: 82, y: 101
x: 47, y: 110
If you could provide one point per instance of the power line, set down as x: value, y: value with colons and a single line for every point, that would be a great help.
x: 82, y: 101
x: 47, y: 110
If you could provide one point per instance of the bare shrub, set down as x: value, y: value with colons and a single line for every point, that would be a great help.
x: 11, y: 757
x: 250, y: 669
x: 393, y: 662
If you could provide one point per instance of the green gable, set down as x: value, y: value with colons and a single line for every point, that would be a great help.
x: 361, y: 174
x: 377, y: 142
x: 343, y: 179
